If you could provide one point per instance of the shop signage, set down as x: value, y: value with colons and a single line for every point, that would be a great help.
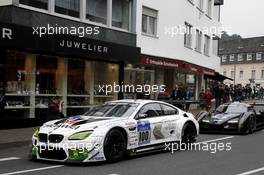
x: 159, y: 61
x: 21, y: 37
x: 83, y: 46
x: 6, y: 33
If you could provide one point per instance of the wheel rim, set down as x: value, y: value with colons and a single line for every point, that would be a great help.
x: 116, y: 146
x: 189, y: 134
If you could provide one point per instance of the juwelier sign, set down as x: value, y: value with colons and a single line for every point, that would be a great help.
x: 21, y: 37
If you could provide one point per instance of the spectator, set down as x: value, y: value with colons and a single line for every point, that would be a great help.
x: 218, y: 94
x: 55, y: 106
x: 202, y: 99
x: 208, y: 99
x: 177, y: 94
x: 188, y: 96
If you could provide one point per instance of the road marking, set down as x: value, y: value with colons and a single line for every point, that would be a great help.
x: 32, y: 170
x: 9, y: 158
x: 215, y: 140
x: 252, y: 171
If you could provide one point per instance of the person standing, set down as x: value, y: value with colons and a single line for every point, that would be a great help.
x: 55, y: 107
x: 177, y: 94
x: 218, y: 94
x: 208, y: 99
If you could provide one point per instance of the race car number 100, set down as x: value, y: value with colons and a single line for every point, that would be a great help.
x: 144, y: 136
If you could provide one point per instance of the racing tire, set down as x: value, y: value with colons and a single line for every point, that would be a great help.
x: 251, y: 125
x: 114, y: 146
x: 188, y: 133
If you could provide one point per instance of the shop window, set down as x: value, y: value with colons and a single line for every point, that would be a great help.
x: 96, y: 11
x: 121, y: 10
x: 105, y: 74
x: 42, y: 4
x: 149, y: 21
x: 68, y: 7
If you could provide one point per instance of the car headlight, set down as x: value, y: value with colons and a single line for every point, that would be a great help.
x: 36, y: 133
x: 235, y: 120
x: 80, y: 135
x: 206, y: 119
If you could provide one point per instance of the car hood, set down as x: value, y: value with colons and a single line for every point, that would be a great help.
x: 75, y: 124
x: 222, y: 118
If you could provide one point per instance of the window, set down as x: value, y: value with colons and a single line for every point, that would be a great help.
x: 224, y: 58
x: 241, y: 73
x: 224, y: 73
x: 149, y: 21
x: 121, y: 14
x: 232, y: 57
x: 151, y: 110
x: 198, y: 41
x: 168, y: 110
x: 240, y: 57
x: 206, y: 45
x: 209, y: 8
x: 68, y: 7
x: 258, y: 56
x: 253, y: 74
x: 96, y: 11
x: 188, y: 35
x: 200, y: 4
x: 232, y: 74
x: 262, y: 74
x: 249, y: 57
x: 42, y: 4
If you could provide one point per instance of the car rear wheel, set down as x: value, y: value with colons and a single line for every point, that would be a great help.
x: 188, y: 133
x: 114, y: 146
x: 251, y: 125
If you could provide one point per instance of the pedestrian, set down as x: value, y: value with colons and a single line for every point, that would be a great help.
x: 55, y: 107
x: 202, y: 99
x: 188, y: 96
x: 218, y: 92
x: 177, y: 94
x: 208, y: 99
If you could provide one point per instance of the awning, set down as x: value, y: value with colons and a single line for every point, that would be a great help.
x: 218, y: 77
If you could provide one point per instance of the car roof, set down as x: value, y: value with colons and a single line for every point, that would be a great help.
x: 140, y: 101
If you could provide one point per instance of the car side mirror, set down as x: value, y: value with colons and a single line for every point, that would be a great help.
x: 141, y: 116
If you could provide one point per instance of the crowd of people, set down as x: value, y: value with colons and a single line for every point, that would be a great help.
x: 224, y: 93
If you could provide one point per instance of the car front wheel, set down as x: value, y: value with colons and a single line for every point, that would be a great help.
x: 114, y: 146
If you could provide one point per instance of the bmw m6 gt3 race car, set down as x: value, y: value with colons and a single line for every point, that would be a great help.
x: 233, y: 117
x: 112, y: 130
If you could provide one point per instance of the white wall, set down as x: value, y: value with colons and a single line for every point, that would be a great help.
x: 5, y: 2
x: 173, y: 13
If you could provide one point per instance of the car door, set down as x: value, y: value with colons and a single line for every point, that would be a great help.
x: 149, y: 124
x: 170, y: 128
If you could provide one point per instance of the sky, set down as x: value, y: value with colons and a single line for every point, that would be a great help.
x: 243, y: 17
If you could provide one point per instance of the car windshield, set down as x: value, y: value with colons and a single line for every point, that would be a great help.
x: 232, y: 108
x: 113, y: 110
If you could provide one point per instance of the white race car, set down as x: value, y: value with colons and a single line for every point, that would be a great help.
x: 113, y: 130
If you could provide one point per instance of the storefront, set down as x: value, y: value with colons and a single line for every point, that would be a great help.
x: 34, y: 70
x: 170, y: 72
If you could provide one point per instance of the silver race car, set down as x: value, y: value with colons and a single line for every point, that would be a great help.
x: 112, y: 130
x: 233, y: 117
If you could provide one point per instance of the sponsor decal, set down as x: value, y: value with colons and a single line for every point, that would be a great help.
x: 144, y: 132
x: 157, y: 132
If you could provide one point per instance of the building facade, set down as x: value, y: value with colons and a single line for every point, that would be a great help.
x: 243, y: 61
x: 172, y: 56
x: 63, y: 48
x: 71, y: 48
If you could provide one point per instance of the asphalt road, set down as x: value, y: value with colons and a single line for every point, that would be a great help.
x: 246, y: 157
